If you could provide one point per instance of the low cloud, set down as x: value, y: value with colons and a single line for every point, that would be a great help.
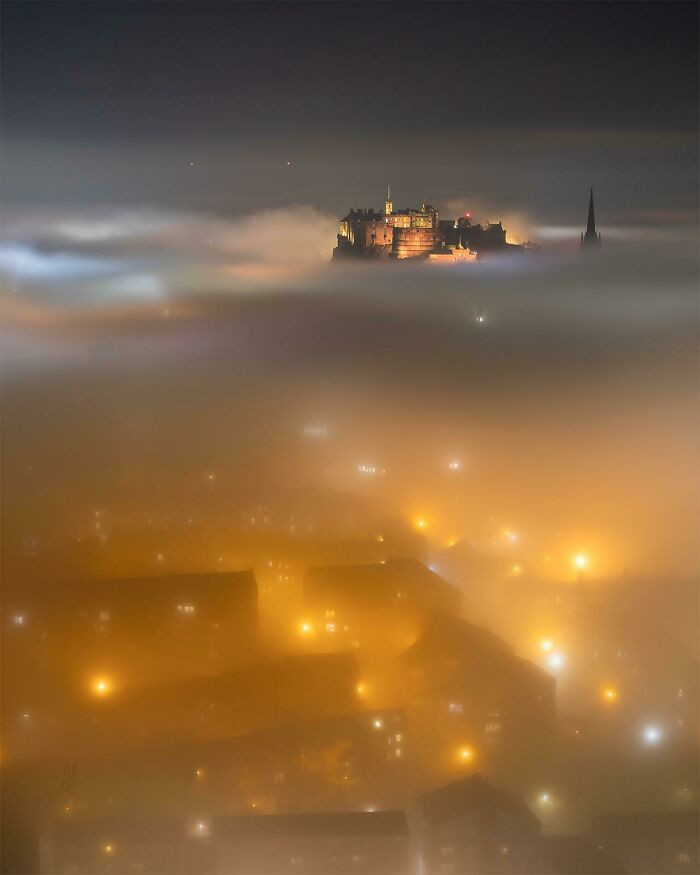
x: 97, y: 256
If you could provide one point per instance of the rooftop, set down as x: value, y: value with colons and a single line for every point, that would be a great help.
x: 472, y: 793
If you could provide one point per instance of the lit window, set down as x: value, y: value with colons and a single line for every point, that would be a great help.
x: 18, y: 619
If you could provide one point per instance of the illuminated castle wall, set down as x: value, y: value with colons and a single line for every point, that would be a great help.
x: 407, y: 233
x: 416, y: 233
x: 415, y: 242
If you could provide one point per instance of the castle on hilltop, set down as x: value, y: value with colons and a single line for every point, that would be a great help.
x: 417, y: 233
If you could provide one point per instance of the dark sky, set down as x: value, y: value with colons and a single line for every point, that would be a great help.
x: 500, y: 106
x: 141, y: 71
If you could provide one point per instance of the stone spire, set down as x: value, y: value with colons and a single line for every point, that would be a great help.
x: 591, y: 237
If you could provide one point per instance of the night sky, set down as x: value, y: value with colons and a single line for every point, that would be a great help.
x: 116, y: 101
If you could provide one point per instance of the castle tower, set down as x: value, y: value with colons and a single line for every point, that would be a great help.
x: 591, y: 237
x: 388, y: 205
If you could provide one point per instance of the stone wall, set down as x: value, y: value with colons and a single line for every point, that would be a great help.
x: 415, y: 242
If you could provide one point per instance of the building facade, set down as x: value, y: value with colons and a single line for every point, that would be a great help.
x: 470, y: 827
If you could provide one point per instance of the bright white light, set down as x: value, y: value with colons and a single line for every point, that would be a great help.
x: 556, y: 660
x: 546, y: 645
x: 651, y: 734
x: 580, y: 561
x: 18, y: 619
x: 377, y: 723
x: 455, y: 466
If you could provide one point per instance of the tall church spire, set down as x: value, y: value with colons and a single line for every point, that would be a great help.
x: 590, y: 227
x: 591, y: 237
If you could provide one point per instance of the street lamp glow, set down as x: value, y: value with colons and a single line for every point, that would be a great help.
x: 101, y: 686
x: 556, y: 660
x: 546, y: 645
x: 465, y: 754
x: 305, y: 628
x: 610, y: 695
x: 651, y: 735
x: 580, y: 561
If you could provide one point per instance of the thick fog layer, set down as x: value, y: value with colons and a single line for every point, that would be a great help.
x: 162, y: 345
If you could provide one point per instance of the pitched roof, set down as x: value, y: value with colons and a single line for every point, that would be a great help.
x: 472, y: 793
x: 456, y: 634
x: 410, y: 573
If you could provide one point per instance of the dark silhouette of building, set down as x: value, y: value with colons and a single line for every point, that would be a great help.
x: 84, y: 624
x: 481, y: 238
x: 659, y: 842
x: 591, y: 238
x: 385, y: 605
x: 472, y: 701
x: 308, y: 844
x: 578, y: 855
x: 261, y: 694
x: 470, y: 827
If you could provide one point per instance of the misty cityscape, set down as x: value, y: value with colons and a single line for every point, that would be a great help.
x: 349, y: 438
